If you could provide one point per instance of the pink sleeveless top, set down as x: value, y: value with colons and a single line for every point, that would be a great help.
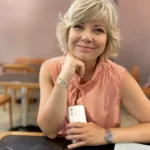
x: 101, y: 96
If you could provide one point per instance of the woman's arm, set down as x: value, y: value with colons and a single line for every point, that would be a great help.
x: 53, y: 98
x: 138, y: 105
x: 53, y: 103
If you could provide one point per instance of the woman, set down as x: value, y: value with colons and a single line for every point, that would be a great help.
x: 89, y: 36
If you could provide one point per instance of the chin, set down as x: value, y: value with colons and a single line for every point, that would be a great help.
x: 84, y: 58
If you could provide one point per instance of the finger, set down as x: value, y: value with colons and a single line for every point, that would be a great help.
x: 75, y: 125
x: 75, y: 145
x: 81, y: 69
x: 74, y: 131
x: 79, y: 137
x: 77, y: 69
x: 81, y: 72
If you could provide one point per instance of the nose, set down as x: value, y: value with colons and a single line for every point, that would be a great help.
x: 87, y: 36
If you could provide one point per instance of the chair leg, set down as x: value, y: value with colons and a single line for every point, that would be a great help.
x: 28, y: 100
x: 5, y: 92
x: 4, y: 107
x: 10, y: 114
x: 15, y: 95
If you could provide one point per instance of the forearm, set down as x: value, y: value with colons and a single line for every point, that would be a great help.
x: 137, y: 133
x: 53, y: 115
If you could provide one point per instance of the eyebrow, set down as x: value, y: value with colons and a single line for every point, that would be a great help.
x: 99, y: 26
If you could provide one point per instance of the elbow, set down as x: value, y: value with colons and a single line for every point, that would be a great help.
x: 53, y: 136
x: 50, y: 133
x: 39, y: 122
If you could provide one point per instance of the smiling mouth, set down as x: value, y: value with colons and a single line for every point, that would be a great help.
x: 85, y: 47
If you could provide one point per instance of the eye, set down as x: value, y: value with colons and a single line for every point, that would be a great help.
x: 79, y: 27
x: 99, y: 30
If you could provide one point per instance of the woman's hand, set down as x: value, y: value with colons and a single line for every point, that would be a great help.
x: 87, y: 134
x: 71, y: 66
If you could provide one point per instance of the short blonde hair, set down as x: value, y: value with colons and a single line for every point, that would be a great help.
x: 87, y: 10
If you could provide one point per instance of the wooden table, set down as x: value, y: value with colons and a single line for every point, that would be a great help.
x: 32, y: 139
x: 23, y: 81
x: 35, y: 68
x: 21, y: 133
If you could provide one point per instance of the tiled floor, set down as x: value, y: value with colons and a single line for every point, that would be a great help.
x: 127, y: 120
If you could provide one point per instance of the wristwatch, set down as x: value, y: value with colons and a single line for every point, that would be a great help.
x: 62, y: 82
x: 108, y: 136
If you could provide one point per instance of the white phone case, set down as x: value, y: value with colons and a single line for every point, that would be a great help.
x: 77, y: 113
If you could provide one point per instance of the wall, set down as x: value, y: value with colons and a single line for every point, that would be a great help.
x: 27, y: 28
x: 135, y: 29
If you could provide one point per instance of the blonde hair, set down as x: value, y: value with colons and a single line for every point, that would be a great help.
x: 87, y: 10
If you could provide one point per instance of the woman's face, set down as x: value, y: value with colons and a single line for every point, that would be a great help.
x: 87, y: 41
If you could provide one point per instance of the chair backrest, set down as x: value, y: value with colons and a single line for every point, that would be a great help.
x: 16, y: 68
x: 135, y: 72
x: 27, y: 60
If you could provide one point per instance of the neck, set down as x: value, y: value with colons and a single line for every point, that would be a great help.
x: 90, y: 67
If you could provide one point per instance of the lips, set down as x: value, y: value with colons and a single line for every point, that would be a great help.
x: 86, y: 47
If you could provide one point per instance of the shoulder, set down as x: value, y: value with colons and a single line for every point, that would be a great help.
x: 115, y: 69
x: 116, y: 66
x: 55, y: 60
x: 52, y: 67
x: 53, y: 63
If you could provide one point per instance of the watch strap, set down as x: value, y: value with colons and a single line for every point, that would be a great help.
x: 61, y: 82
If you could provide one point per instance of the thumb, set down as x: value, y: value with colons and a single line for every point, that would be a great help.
x: 81, y: 70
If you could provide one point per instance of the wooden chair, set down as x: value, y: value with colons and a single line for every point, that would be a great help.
x: 4, y: 99
x: 27, y: 60
x: 30, y: 61
x: 146, y: 91
x: 17, y: 68
x: 135, y: 72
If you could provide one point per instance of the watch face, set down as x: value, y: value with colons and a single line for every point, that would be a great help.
x: 108, y: 136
